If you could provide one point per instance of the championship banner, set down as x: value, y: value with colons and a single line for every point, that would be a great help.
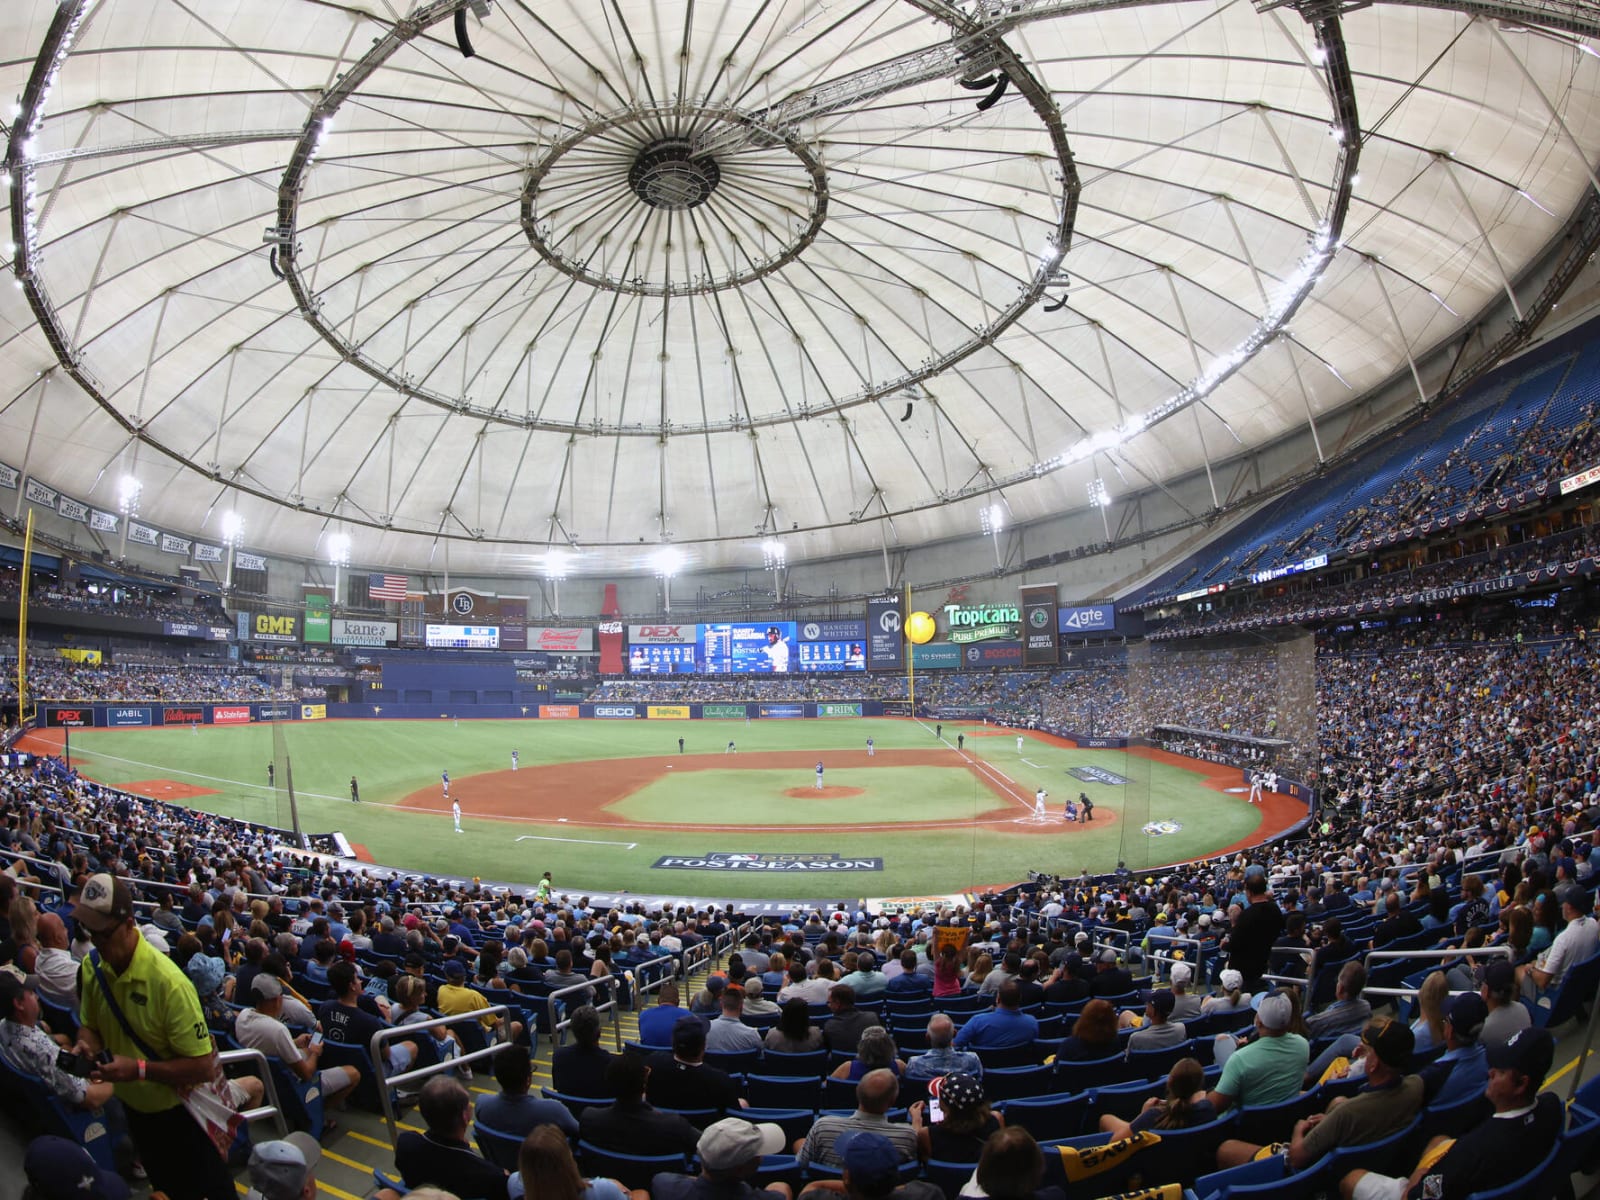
x: 319, y: 615
x: 172, y: 544
x: 39, y: 494
x: 1040, y: 644
x: 103, y: 522
x: 513, y: 622
x: 666, y: 712
x: 72, y: 510
x: 9, y: 477
x: 142, y: 534
x: 205, y: 553
x: 249, y: 562
x: 886, y: 645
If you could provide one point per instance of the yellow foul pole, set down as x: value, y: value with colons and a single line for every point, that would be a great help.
x: 22, y: 623
x: 911, y: 649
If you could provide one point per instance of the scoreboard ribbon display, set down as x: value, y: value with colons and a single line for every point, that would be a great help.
x: 886, y: 646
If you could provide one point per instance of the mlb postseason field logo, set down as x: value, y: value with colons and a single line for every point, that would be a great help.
x: 1160, y: 828
x: 727, y: 860
x: 1096, y: 775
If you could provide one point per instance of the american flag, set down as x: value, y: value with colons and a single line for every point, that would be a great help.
x: 387, y: 587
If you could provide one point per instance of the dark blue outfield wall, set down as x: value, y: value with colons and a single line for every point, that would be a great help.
x: 141, y: 716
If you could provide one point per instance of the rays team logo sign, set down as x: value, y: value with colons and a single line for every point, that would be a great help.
x: 1160, y: 828
x: 462, y: 603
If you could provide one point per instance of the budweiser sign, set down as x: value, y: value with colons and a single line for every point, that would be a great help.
x: 662, y: 634
x: 561, y: 640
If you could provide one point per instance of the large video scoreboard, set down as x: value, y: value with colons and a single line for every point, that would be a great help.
x: 750, y: 648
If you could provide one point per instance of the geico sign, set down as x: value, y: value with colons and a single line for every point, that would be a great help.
x: 274, y: 626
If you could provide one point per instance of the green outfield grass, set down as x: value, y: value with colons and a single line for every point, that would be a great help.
x: 394, y: 759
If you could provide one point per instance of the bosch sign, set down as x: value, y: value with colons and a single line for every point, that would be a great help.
x: 994, y: 653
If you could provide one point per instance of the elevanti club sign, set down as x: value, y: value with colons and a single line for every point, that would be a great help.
x: 728, y: 860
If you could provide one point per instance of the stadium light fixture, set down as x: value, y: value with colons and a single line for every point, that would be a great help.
x: 339, y: 556
x: 129, y: 490
x: 667, y: 562
x: 232, y: 535
x: 1098, y: 496
x: 992, y: 519
x: 556, y: 564
x: 774, y: 558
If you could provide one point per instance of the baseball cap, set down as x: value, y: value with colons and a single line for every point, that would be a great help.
x: 1182, y: 973
x: 1391, y: 1040
x: 103, y: 904
x: 59, y: 1169
x: 1231, y: 980
x: 1529, y: 1051
x: 1575, y: 895
x: 870, y: 1158
x: 1467, y: 1013
x: 1500, y: 976
x: 1161, y: 998
x: 1205, y: 920
x: 731, y: 1143
x: 1275, y: 1012
x: 266, y: 987
x: 454, y: 969
x: 959, y: 1093
x: 278, y: 1170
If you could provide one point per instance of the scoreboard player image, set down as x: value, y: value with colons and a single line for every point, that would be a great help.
x: 777, y: 651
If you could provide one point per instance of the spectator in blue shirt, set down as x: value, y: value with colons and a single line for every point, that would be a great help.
x: 513, y: 1111
x: 1005, y: 1025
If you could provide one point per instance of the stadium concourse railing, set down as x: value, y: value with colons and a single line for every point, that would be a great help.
x: 271, y: 1110
x: 556, y: 1001
x: 386, y: 1082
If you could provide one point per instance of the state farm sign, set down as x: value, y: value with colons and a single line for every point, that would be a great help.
x: 658, y: 635
x: 561, y: 641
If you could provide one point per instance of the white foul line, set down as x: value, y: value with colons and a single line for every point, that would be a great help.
x: 165, y: 770
x: 1034, y: 765
x: 532, y: 837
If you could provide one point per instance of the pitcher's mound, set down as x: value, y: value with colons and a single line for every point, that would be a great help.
x: 826, y: 793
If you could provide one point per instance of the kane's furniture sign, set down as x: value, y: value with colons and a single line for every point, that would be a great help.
x: 364, y: 633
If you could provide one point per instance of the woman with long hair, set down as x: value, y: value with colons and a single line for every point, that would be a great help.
x: 794, y: 1033
x: 1183, y: 1106
x: 967, y: 1122
x: 979, y: 971
x: 1094, y: 1034
x: 1428, y: 1027
x: 545, y: 1161
x: 947, y: 972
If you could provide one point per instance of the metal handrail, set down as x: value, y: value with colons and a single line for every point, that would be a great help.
x: 611, y: 1005
x: 1505, y: 950
x: 272, y: 1108
x: 1171, y: 940
x: 380, y: 1060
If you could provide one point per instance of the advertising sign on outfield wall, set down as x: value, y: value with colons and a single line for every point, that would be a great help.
x: 886, y: 645
x: 667, y: 712
x: 559, y: 712
x: 182, y: 716
x: 230, y: 714
x: 936, y: 656
x: 663, y: 635
x: 723, y: 712
x: 992, y: 654
x: 365, y: 633
x: 123, y: 717
x: 69, y: 716
x: 781, y: 711
x: 616, y: 711
x: 313, y: 712
x: 838, y: 710
x: 274, y: 712
x: 561, y: 640
x: 1086, y: 618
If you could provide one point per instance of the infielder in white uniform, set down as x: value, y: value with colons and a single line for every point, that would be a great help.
x: 455, y: 813
x: 1019, y: 743
x: 1255, y: 787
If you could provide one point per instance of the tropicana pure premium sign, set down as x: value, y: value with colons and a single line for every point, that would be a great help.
x: 979, y: 623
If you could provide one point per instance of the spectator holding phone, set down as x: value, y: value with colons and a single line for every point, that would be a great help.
x: 262, y: 1028
x: 27, y: 1047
